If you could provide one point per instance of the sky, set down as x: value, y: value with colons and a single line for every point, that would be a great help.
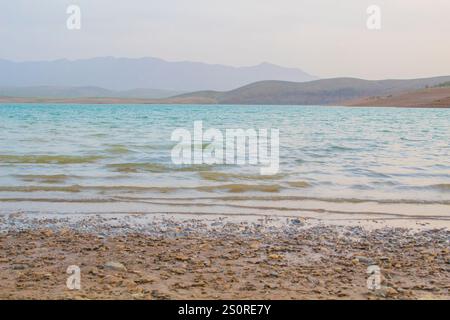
x: 326, y: 38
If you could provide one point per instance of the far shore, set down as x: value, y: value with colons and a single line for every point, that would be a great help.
x: 424, y: 98
x: 105, y: 100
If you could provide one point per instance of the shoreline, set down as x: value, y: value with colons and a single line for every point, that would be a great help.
x: 368, y: 103
x: 132, y: 256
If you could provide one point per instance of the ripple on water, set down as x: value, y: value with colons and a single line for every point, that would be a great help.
x: 47, y: 159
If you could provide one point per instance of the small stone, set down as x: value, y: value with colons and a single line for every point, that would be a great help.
x: 275, y: 257
x: 20, y: 266
x: 364, y: 260
x: 146, y: 279
x: 130, y: 284
x: 47, y: 233
x: 391, y: 291
x: 160, y: 295
x: 94, y: 271
x: 270, y: 286
x: 113, y: 280
x: 386, y: 292
x: 178, y: 270
x: 64, y: 232
x: 255, y: 245
x: 248, y: 286
x: 313, y: 280
x: 138, y: 296
x: 297, y: 222
x: 182, y: 257
x: 116, y: 266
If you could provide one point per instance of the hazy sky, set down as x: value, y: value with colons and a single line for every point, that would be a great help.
x: 326, y: 38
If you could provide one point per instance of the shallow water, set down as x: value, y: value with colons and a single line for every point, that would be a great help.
x: 334, y: 162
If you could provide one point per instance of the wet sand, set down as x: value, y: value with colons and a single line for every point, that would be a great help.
x: 164, y: 257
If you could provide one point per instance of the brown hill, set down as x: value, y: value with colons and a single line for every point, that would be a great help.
x: 320, y: 92
x: 338, y: 91
x: 431, y: 97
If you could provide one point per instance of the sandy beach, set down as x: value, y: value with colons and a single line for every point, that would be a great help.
x: 170, y: 257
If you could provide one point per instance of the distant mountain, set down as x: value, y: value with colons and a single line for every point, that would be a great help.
x: 83, y: 92
x: 320, y: 92
x: 127, y: 74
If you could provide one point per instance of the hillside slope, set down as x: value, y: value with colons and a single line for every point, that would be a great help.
x: 320, y: 92
x: 429, y: 92
x: 430, y: 97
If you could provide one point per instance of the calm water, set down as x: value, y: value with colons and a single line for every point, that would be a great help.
x: 334, y: 162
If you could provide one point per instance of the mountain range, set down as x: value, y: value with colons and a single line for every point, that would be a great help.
x: 124, y: 74
x: 58, y: 92
x: 151, y: 80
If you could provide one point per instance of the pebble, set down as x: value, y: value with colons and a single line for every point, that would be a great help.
x: 275, y: 257
x: 20, y: 266
x: 364, y: 260
x: 297, y: 222
x: 116, y: 266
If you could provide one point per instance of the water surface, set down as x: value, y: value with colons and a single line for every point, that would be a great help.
x: 334, y: 161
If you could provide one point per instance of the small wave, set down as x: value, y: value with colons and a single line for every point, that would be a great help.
x: 299, y: 184
x: 238, y: 188
x: 46, y: 179
x: 98, y: 135
x: 193, y: 168
x: 137, y: 167
x: 78, y: 188
x: 233, y: 188
x: 47, y: 159
x: 159, y: 147
x: 441, y: 187
x: 306, y: 198
x: 154, y: 167
x: 222, y: 176
x: 368, y: 173
x: 71, y: 189
x: 118, y: 149
x: 340, y: 148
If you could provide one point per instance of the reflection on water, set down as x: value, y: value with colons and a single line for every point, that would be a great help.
x: 373, y: 160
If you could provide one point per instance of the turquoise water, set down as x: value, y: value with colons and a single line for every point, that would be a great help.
x: 333, y: 160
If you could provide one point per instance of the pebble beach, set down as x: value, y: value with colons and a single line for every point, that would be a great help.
x: 170, y: 257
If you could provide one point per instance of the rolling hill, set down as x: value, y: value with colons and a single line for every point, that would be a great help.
x: 427, y: 92
x: 320, y: 92
x: 438, y: 97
